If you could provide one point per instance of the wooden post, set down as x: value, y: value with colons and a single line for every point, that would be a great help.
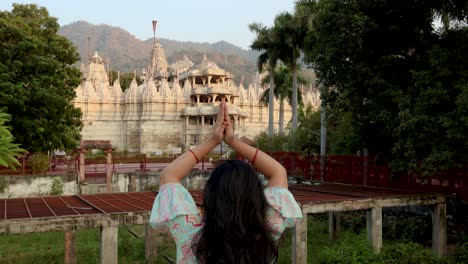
x: 439, y: 229
x: 299, y: 242
x: 70, y: 246
x: 109, y: 245
x: 333, y: 225
x: 374, y: 227
x: 151, y: 246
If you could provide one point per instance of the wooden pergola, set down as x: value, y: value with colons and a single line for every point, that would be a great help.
x: 111, y: 210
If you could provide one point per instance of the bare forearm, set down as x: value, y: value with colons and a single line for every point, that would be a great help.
x: 272, y: 169
x: 180, y: 167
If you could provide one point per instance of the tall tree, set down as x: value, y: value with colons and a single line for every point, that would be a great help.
x: 267, y: 42
x: 401, y: 79
x: 291, y: 30
x: 283, y: 91
x: 37, y: 79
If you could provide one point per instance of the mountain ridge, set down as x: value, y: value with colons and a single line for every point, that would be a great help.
x: 127, y: 53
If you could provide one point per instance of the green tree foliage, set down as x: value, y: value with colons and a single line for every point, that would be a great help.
x: 268, y: 44
x: 291, y: 30
x: 307, y: 134
x: 401, y: 80
x: 37, y: 81
x: 8, y: 150
x: 283, y: 91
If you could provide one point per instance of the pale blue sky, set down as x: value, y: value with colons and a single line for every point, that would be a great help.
x: 199, y: 21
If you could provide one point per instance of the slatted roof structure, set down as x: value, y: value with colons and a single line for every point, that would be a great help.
x: 64, y: 213
x: 141, y: 202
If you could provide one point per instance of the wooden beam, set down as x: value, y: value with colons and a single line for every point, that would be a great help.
x: 49, y: 224
x: 439, y: 229
x: 367, y: 203
x: 299, y: 242
x: 374, y: 227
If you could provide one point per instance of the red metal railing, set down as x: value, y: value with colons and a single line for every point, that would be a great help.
x: 351, y: 170
x: 340, y: 169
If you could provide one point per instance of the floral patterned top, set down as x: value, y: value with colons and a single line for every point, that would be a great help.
x: 175, y: 208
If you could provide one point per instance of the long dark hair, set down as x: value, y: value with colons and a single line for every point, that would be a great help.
x: 234, y: 207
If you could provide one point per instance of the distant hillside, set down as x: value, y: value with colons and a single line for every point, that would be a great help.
x: 128, y: 53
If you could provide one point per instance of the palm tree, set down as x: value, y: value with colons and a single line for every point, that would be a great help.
x: 292, y: 30
x: 283, y: 91
x: 267, y: 43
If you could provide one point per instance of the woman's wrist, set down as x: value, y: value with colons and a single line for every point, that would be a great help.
x: 230, y: 140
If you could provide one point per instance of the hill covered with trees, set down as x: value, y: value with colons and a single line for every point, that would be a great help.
x: 128, y: 53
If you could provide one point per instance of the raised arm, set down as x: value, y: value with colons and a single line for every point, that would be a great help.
x: 272, y: 169
x: 180, y: 167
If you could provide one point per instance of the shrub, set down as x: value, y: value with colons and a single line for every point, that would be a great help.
x: 349, y: 249
x: 57, y: 186
x: 3, y: 184
x: 461, y: 254
x: 408, y: 253
x: 40, y: 163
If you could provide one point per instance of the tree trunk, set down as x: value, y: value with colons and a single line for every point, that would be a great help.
x: 294, y: 105
x: 281, y: 117
x: 271, y: 107
x: 323, y: 133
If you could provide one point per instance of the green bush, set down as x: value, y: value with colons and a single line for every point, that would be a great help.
x: 403, y: 227
x: 408, y: 253
x: 3, y: 184
x: 40, y: 163
x: 460, y: 255
x: 278, y: 142
x: 57, y: 186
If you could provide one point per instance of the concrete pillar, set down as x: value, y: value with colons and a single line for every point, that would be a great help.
x: 109, y: 245
x: 70, y: 246
x: 109, y: 170
x: 374, y: 227
x: 82, y: 165
x: 299, y: 242
x: 439, y: 229
x: 132, y: 183
x: 151, y: 246
x: 334, y: 227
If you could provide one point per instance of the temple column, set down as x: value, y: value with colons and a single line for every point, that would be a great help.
x: 209, y: 79
x: 203, y: 120
x: 186, y: 121
x: 193, y: 81
x: 198, y: 98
